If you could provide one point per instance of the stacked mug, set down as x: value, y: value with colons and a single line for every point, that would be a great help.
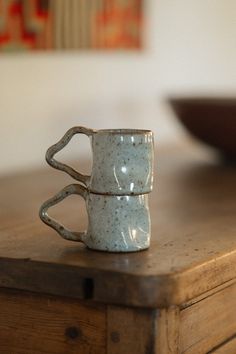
x: 116, y: 192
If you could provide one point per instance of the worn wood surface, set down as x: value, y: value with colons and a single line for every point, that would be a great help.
x: 167, y: 331
x: 40, y: 324
x: 142, y: 331
x: 193, y: 249
x: 208, y: 322
x: 131, y: 330
x: 227, y: 348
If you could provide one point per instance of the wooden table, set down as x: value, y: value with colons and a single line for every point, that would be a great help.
x: 179, y: 296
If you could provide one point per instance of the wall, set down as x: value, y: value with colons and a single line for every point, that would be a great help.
x: 190, y: 48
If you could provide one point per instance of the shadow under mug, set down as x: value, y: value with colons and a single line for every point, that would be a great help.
x: 115, y: 223
x: 122, y: 160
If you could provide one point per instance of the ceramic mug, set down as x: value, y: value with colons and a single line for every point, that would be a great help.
x: 122, y: 160
x: 115, y: 223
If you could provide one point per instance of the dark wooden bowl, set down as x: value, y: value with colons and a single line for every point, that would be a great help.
x: 212, y: 120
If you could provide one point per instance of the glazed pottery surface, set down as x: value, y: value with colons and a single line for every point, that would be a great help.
x: 116, y: 192
x: 122, y: 160
x: 116, y: 223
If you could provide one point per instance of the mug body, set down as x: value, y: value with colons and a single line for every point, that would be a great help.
x: 118, y: 223
x: 122, y: 162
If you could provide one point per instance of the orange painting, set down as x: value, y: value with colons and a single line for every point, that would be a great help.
x: 70, y: 24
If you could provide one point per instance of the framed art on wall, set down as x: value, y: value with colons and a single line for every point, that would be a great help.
x: 29, y: 25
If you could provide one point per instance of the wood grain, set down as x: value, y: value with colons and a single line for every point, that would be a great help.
x: 167, y: 331
x: 35, y: 324
x: 142, y: 331
x: 193, y: 248
x: 208, y: 322
x: 130, y: 330
x: 228, y: 348
x: 208, y: 294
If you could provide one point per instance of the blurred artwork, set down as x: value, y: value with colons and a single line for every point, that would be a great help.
x: 70, y: 24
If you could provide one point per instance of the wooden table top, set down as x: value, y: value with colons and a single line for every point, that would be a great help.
x: 193, y: 248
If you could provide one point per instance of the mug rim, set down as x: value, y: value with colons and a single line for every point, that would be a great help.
x: 127, y: 131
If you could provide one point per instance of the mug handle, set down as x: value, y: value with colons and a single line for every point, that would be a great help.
x: 64, y: 193
x: 60, y: 145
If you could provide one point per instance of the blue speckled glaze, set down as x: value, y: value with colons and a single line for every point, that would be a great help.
x: 122, y: 162
x: 118, y: 223
x: 116, y: 193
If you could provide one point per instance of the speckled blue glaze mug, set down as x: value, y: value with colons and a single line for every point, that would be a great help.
x: 115, y: 223
x: 122, y: 160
